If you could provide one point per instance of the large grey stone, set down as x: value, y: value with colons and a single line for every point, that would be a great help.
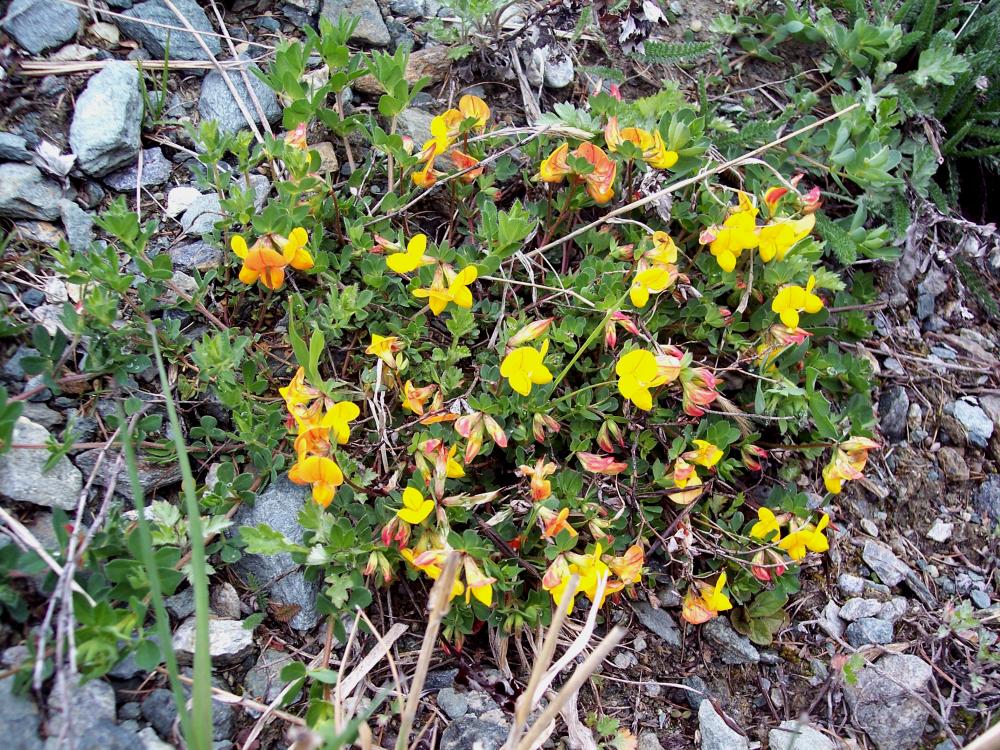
x: 889, y: 568
x: 471, y: 733
x: 371, y: 28
x: 415, y: 123
x: 195, y: 255
x: 159, y: 710
x: 217, y: 101
x: 183, y: 44
x: 978, y: 425
x: 883, y: 703
x: 19, y: 719
x: 278, y: 507
x: 105, y: 735
x: 26, y: 194
x: 38, y: 25
x: 104, y: 133
x: 22, y: 478
x: 79, y: 225
x: 893, y: 407
x: 156, y: 170
x: 659, y: 622
x: 716, y: 734
x: 732, y: 647
x: 89, y: 704
x: 151, y: 476
x: 796, y: 735
x: 263, y: 682
x: 13, y: 148
x: 869, y: 630
x: 202, y: 215
x: 229, y: 642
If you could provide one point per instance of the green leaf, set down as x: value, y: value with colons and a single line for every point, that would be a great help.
x: 263, y: 540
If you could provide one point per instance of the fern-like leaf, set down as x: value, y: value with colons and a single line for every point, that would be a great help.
x: 664, y: 52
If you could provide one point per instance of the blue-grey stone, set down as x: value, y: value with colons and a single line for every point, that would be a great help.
x: 26, y: 194
x: 13, y: 148
x: 156, y: 170
x: 104, y: 133
x: 38, y: 25
x: 217, y: 101
x: 183, y: 44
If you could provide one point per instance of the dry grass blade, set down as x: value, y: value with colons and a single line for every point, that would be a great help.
x: 572, y: 686
x: 46, y: 67
x: 439, y: 600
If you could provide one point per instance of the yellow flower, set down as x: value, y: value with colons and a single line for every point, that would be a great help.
x: 686, y: 479
x: 260, y: 262
x: 847, y: 463
x: 591, y: 568
x: 384, y: 347
x: 315, y: 436
x: 807, y: 537
x: 524, y: 367
x: 628, y: 567
x: 704, y: 601
x: 473, y: 107
x: 431, y: 563
x: 298, y: 394
x: 793, y: 299
x: 294, y: 249
x: 412, y: 259
x: 637, y: 372
x: 322, y: 473
x: 453, y: 468
x: 553, y: 523
x: 477, y: 584
x: 777, y: 237
x: 556, y: 579
x: 457, y: 292
x: 664, y: 249
x: 737, y: 233
x: 654, y: 151
x: 541, y: 488
x: 554, y: 167
x: 415, y: 508
x: 414, y: 399
x: 705, y: 454
x: 652, y: 280
x: 767, y: 527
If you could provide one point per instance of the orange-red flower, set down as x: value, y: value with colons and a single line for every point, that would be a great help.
x: 599, y: 180
x: 598, y: 464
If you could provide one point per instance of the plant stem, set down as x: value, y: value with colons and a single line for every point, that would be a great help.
x: 590, y: 340
x: 201, y: 696
x: 588, y: 387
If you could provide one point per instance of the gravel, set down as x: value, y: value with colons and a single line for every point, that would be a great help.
x: 658, y: 622
x: 156, y: 170
x: 90, y: 703
x: 453, y: 703
x: 104, y: 133
x: 26, y: 194
x: 183, y: 44
x: 987, y: 497
x: 471, y: 733
x: 22, y: 478
x: 889, y: 568
x: 38, y: 25
x: 882, y: 701
x: 371, y: 28
x: 732, y: 647
x: 159, y: 710
x: 856, y: 608
x: 716, y: 734
x: 869, y: 630
x: 181, y: 605
x: 850, y: 585
x: 940, y: 531
x: 217, y: 101
x: 105, y: 735
x: 19, y: 719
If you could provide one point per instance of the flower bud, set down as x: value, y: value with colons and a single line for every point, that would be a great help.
x: 496, y: 433
x: 772, y: 196
x: 598, y: 464
x: 297, y: 138
x: 811, y: 201
x: 767, y: 565
x: 530, y: 332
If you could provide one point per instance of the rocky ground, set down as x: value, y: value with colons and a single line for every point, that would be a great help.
x: 911, y: 580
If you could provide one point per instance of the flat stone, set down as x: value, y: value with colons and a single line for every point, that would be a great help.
x: 38, y: 25
x: 104, y: 134
x: 79, y: 225
x: 14, y: 148
x: 850, y: 585
x: 278, y: 507
x: 41, y: 414
x: 263, y: 682
x: 181, y: 605
x: 471, y: 733
x: 716, y: 734
x: 218, y: 103
x: 229, y: 642
x: 732, y: 647
x: 416, y: 124
x: 883, y: 705
x: 431, y: 62
x: 658, y: 622
x: 26, y: 194
x: 90, y: 703
x: 889, y: 568
x: 151, y: 476
x: 105, y: 735
x: 867, y: 631
x: 156, y: 169
x: 453, y: 703
x: 986, y: 499
x: 183, y: 44
x: 977, y: 424
x: 22, y: 478
x: 893, y: 609
x: 940, y: 531
x: 648, y: 741
x: 856, y: 608
x: 795, y: 735
x: 159, y: 710
x: 179, y: 199
x: 225, y: 602
x: 371, y: 28
x: 19, y: 719
x: 151, y: 741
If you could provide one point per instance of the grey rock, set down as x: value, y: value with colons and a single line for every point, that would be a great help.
x: 41, y: 414
x: 624, y: 660
x: 470, y: 733
x: 152, y: 741
x: 980, y: 598
x: 893, y: 406
x: 151, y: 476
x: 732, y: 647
x: 831, y: 621
x: 129, y: 711
x: 440, y: 679
x: 557, y: 67
x: 195, y: 255
x: 105, y: 735
x: 648, y: 741
x: 183, y: 44
x: 407, y: 8
x: 263, y: 681
x: 13, y: 148
x: 795, y: 735
x: 371, y: 28
x: 869, y: 630
x: 940, y: 531
x: 38, y: 25
x: 278, y: 507
x: 850, y: 585
x: 19, y: 719
x: 159, y: 710
x: 716, y: 734
x: 415, y: 123
x: 882, y: 701
x: 658, y: 622
x: 986, y: 500
x: 128, y: 668
x: 925, y: 305
x: 202, y: 215
x: 104, y: 133
x: 181, y: 605
x: 217, y: 101
x: 79, y: 225
x: 699, y: 691
x: 225, y: 602
x: 889, y: 568
x: 22, y: 478
x: 953, y: 464
x: 26, y: 194
x: 479, y: 702
x: 978, y: 426
x: 856, y: 608
x: 893, y: 609
x: 90, y: 703
x: 229, y: 642
x: 453, y: 703
x: 156, y: 170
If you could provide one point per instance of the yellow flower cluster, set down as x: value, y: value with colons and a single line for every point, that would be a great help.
x: 445, y: 130
x: 267, y: 259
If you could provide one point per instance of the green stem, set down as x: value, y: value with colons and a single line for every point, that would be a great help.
x: 155, y: 586
x: 201, y: 690
x: 590, y: 340
x: 589, y: 387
